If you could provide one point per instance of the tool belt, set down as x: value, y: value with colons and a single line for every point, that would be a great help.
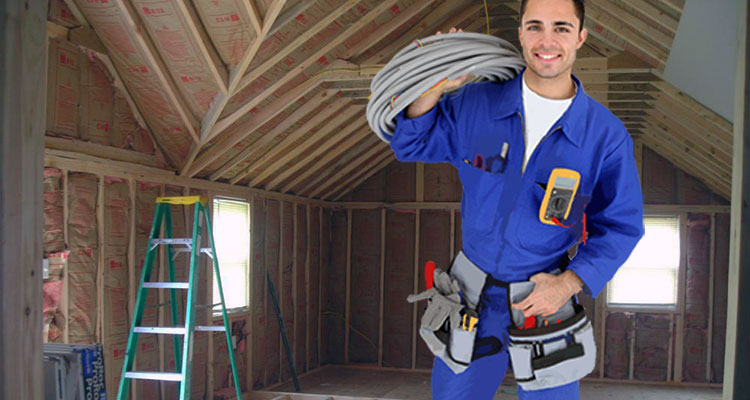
x: 551, y: 351
x: 542, y: 356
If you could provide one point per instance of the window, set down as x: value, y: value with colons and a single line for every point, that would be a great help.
x: 650, y: 275
x: 231, y: 219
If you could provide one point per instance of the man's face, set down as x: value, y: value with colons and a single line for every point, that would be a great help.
x: 549, y: 36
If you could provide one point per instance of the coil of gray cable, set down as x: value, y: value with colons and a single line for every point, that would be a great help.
x: 424, y: 63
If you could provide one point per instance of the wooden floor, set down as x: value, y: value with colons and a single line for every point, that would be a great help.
x: 355, y: 382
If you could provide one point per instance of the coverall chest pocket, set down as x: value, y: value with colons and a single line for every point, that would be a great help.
x: 481, y: 198
x: 536, y: 236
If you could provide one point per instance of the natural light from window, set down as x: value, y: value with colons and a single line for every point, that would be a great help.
x: 650, y: 275
x: 231, y: 219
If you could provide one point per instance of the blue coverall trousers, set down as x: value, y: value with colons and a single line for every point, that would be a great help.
x: 483, y: 377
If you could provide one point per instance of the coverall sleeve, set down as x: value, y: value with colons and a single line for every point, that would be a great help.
x: 432, y: 137
x: 614, y: 219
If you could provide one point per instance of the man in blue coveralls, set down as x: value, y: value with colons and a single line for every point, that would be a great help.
x: 544, y: 120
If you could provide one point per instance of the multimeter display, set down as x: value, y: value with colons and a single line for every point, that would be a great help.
x: 558, y: 198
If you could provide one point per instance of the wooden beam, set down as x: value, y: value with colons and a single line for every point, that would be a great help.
x: 148, y: 50
x: 403, y: 17
x: 697, y: 108
x: 621, y: 29
x: 321, y: 176
x: 206, y: 49
x: 737, y: 347
x: 94, y: 149
x: 712, y: 141
x: 285, y: 124
x: 255, y: 19
x: 93, y: 165
x: 308, y: 224
x: 669, y: 106
x: 681, y: 299
x: 295, y: 272
x: 310, y: 140
x: 348, y: 307
x: 280, y: 54
x: 698, y: 144
x: 711, y: 275
x: 676, y: 5
x: 334, y: 107
x: 329, y: 156
x: 23, y: 74
x: 66, y: 240
x: 280, y: 285
x: 321, y: 269
x: 372, y: 171
x: 312, y: 59
x: 289, y: 15
x: 332, y: 145
x: 433, y: 21
x: 235, y: 76
x: 415, y: 289
x: 655, y: 14
x: 635, y: 23
x: 383, y: 228
x: 249, y: 126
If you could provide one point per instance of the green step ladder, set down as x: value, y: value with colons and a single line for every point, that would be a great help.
x: 182, y: 334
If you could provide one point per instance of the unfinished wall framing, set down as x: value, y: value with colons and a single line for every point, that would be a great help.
x: 95, y: 233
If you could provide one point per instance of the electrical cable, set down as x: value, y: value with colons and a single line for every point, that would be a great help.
x: 426, y: 64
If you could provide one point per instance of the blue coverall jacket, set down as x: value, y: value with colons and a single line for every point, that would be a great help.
x: 502, y: 232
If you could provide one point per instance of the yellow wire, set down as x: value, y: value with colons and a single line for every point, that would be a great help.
x: 487, y: 16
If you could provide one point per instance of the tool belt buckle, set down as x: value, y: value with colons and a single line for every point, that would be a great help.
x: 469, y: 320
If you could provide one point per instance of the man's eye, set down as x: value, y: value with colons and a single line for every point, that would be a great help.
x: 533, y: 28
x: 562, y: 30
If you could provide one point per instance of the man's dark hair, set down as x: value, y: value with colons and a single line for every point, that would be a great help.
x: 578, y: 4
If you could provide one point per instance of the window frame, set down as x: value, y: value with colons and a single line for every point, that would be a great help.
x: 236, y: 311
x: 679, y: 304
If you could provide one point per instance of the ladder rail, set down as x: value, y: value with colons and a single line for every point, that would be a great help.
x: 217, y: 277
x: 187, y: 344
x: 173, y: 306
x: 140, y: 302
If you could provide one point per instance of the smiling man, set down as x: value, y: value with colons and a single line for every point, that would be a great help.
x: 509, y: 141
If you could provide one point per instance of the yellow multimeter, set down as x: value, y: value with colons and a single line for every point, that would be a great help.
x: 558, y: 198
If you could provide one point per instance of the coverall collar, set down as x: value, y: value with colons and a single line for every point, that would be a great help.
x: 572, y: 122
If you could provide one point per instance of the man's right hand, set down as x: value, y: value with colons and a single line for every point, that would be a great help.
x: 429, y: 99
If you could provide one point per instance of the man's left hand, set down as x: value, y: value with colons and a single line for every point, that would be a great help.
x: 550, y: 293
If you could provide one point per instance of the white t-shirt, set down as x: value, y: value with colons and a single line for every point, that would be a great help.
x: 540, y: 113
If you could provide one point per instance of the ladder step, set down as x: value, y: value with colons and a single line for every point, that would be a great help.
x: 213, y: 328
x: 166, y: 285
x: 186, y: 241
x: 160, y: 330
x: 155, y: 376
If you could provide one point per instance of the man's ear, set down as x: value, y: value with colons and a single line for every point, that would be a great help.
x: 582, y: 37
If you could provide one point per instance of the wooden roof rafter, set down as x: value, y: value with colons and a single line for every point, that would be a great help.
x: 332, y: 145
x: 224, y: 123
x: 322, y: 160
x: 235, y: 75
x: 287, y: 123
x: 151, y: 54
x: 340, y: 112
x: 331, y: 109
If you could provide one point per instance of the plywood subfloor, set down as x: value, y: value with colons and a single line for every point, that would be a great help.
x: 353, y: 381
